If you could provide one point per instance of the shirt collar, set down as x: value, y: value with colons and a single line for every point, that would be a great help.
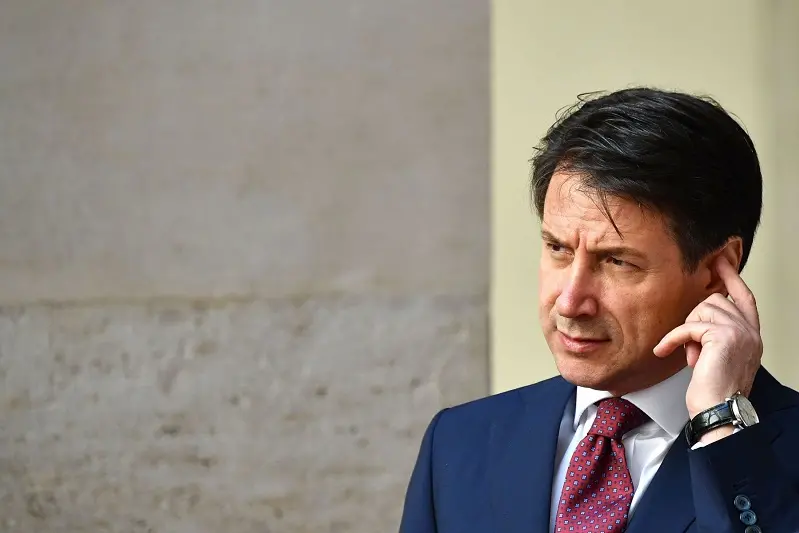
x: 664, y: 402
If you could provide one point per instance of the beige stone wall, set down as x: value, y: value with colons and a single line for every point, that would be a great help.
x: 243, y: 258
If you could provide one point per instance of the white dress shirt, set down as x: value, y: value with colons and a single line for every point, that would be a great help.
x: 645, y: 446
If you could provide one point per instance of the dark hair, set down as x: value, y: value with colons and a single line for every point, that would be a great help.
x: 681, y: 155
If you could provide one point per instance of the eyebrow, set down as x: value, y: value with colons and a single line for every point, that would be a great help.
x: 602, y: 250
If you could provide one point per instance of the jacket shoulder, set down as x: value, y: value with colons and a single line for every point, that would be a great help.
x: 478, y: 415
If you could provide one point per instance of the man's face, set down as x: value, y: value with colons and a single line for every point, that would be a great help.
x: 606, y: 300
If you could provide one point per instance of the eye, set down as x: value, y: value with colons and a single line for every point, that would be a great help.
x: 615, y: 261
x: 556, y: 248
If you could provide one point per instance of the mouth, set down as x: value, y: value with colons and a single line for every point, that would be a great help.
x: 580, y: 344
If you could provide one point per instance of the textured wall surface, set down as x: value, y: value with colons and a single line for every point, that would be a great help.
x: 292, y: 415
x: 243, y: 258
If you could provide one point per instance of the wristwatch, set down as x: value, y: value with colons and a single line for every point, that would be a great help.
x: 737, y: 410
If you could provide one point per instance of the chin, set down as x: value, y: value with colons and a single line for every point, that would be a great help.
x: 588, y: 381
x: 591, y: 373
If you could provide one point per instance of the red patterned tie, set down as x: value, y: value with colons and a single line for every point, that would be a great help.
x: 598, y: 490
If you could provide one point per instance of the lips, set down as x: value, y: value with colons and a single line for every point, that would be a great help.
x: 580, y: 344
x: 582, y: 339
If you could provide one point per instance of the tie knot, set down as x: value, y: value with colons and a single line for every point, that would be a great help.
x: 615, y: 417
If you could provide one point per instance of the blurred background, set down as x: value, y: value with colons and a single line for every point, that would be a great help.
x: 248, y: 249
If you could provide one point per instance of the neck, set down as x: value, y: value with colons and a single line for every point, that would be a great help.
x: 640, y: 381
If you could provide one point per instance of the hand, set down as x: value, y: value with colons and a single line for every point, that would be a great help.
x: 722, y: 344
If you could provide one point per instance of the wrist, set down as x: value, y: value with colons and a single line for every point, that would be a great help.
x: 717, y: 434
x: 720, y: 420
x: 703, y: 404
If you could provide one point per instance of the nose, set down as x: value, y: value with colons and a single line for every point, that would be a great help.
x: 577, y: 296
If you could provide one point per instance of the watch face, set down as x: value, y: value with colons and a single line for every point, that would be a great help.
x: 744, y: 411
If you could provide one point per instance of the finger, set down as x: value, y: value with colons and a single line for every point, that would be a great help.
x: 692, y: 351
x: 739, y: 292
x: 719, y: 300
x: 683, y: 334
x: 710, y: 312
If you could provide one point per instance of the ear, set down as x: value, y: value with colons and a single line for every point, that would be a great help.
x: 732, y: 251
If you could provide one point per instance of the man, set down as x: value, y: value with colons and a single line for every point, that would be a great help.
x: 662, y: 418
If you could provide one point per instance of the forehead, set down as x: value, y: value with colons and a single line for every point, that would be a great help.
x: 574, y: 211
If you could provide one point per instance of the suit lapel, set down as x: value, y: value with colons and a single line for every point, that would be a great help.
x: 668, y: 499
x: 522, y: 458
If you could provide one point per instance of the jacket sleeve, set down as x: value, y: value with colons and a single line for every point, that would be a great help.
x: 738, y: 483
x: 418, y: 515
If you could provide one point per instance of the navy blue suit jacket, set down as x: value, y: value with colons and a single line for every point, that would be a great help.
x: 487, y: 466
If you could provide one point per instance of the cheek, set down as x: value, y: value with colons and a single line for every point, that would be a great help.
x: 648, y: 317
x: 547, y: 287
